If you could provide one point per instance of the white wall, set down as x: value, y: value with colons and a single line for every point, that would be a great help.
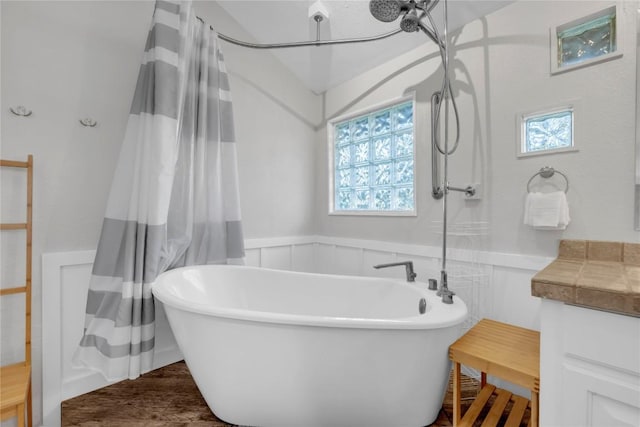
x: 63, y: 68
x: 276, y: 118
x: 67, y: 60
x: 501, y: 68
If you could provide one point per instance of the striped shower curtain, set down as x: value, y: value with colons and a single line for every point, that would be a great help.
x: 174, y: 198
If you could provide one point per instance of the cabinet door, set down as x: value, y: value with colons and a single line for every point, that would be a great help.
x: 601, y: 368
x: 599, y: 396
x: 589, y: 368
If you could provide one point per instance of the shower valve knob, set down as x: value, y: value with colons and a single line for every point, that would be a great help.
x: 447, y: 296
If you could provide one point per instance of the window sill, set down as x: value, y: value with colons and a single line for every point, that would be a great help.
x: 544, y: 152
x: 374, y: 213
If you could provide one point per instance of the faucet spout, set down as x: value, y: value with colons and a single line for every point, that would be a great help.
x: 408, y: 265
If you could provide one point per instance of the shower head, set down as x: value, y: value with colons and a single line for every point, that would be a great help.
x: 385, y: 10
x: 410, y: 21
x: 390, y: 10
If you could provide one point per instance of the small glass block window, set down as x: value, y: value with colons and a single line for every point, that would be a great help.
x: 373, y: 167
x: 585, y: 41
x: 547, y: 132
x: 588, y: 40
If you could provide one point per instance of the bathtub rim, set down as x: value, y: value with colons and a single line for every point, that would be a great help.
x: 442, y: 315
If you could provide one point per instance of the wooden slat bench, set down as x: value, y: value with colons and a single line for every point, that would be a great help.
x: 505, y: 351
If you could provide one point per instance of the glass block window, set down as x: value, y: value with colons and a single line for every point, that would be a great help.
x: 547, y: 132
x: 585, y: 41
x: 588, y: 40
x: 373, y: 161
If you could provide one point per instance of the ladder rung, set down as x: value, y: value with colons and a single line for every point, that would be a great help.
x: 16, y: 226
x: 9, y: 291
x: 14, y: 164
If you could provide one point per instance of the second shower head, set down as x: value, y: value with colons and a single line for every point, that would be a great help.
x: 390, y: 10
x: 410, y: 21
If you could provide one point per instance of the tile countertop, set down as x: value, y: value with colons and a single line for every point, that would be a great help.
x: 600, y: 275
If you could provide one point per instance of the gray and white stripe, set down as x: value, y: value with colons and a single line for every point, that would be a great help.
x: 174, y: 199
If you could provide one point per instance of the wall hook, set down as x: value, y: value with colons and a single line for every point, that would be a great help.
x: 20, y: 110
x: 88, y: 122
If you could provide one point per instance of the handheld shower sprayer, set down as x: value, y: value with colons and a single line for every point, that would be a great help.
x: 410, y: 21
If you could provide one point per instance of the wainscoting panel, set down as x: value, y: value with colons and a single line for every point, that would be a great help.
x: 510, y: 299
x: 283, y: 253
x: 303, y: 257
x: 276, y: 257
x: 324, y: 256
x: 65, y: 285
x: 73, y: 295
x: 504, y: 294
x: 252, y: 257
x: 347, y: 261
x: 492, y: 284
x: 61, y: 273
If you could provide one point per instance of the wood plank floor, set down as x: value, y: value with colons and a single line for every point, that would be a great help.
x: 169, y: 397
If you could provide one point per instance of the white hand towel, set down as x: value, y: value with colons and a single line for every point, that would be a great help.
x: 547, y: 211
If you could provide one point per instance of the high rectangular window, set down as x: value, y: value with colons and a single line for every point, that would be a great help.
x: 587, y: 40
x: 372, y: 161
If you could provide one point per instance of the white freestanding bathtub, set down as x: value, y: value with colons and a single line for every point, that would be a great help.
x: 274, y: 348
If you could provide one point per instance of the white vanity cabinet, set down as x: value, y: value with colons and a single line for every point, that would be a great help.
x: 589, y: 367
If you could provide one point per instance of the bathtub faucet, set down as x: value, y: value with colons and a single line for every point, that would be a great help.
x: 444, y: 292
x: 408, y: 265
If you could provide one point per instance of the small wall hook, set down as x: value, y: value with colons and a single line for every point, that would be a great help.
x: 20, y: 110
x: 88, y: 122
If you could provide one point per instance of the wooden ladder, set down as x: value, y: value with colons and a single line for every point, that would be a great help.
x: 15, y: 380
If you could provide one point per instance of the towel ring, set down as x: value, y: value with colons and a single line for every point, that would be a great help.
x: 547, y: 172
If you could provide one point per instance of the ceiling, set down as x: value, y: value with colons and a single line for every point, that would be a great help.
x: 321, y: 68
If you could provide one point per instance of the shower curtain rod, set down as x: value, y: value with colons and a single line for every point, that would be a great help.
x: 302, y: 43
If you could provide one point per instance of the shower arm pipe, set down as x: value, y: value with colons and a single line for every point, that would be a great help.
x: 445, y: 65
x: 306, y: 43
x: 447, y: 295
x: 468, y: 190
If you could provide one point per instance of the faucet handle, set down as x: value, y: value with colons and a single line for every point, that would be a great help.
x: 447, y: 296
x: 433, y: 285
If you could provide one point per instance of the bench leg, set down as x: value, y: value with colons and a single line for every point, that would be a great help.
x: 29, y: 407
x: 20, y: 415
x: 483, y: 380
x: 457, y: 395
x: 534, y: 408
